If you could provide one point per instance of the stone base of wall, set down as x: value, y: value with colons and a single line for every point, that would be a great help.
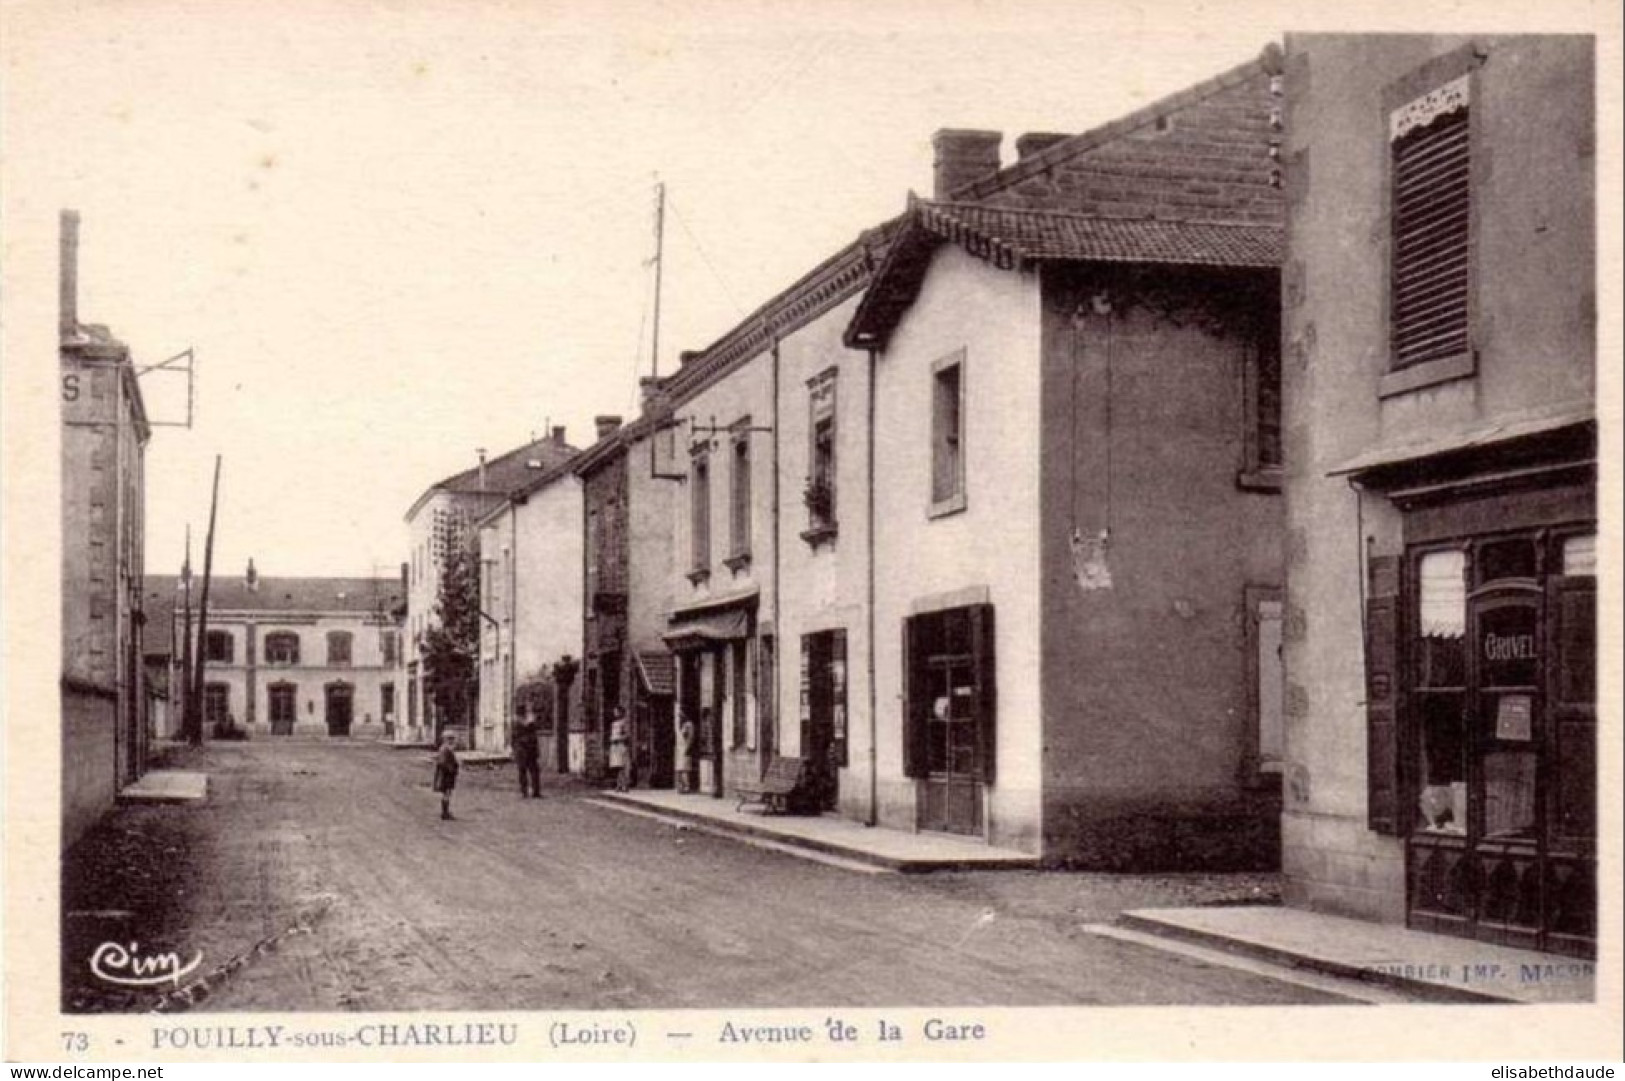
x: 1154, y: 836
x: 89, y: 786
x: 1333, y: 864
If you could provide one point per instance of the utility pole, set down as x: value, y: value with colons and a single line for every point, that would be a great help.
x: 660, y: 266
x: 196, y: 732
x: 182, y: 695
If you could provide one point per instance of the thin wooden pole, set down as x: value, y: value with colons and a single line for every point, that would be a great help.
x: 196, y: 733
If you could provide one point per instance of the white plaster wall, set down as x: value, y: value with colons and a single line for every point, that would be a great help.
x: 825, y: 587
x: 548, y: 556
x: 994, y: 316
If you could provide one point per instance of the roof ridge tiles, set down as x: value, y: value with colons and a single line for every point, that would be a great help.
x: 1268, y: 62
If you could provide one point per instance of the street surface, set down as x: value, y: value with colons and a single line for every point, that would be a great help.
x: 318, y: 876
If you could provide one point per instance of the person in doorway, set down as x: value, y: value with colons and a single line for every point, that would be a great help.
x: 620, y: 758
x: 685, y: 755
x: 527, y: 755
x: 445, y: 772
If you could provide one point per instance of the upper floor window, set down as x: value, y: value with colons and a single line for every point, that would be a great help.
x: 948, y: 434
x: 739, y: 498
x: 820, y: 494
x: 1431, y: 210
x: 389, y: 645
x: 219, y: 647
x: 700, y: 512
x: 338, y: 647
x: 282, y: 647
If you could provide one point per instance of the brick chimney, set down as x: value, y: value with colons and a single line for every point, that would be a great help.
x: 481, y: 452
x: 964, y: 156
x: 68, y: 311
x: 606, y: 426
x: 558, y: 434
x: 1036, y: 142
x: 686, y: 357
x: 251, y: 577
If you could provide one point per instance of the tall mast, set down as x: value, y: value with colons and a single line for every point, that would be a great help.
x: 195, y: 735
x: 660, y: 265
x: 182, y: 695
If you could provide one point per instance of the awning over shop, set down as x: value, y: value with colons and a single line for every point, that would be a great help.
x: 709, y: 629
x: 658, y: 670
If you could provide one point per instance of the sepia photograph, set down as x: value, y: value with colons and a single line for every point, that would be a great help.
x: 618, y: 534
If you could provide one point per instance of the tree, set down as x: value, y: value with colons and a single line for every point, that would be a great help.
x: 451, y: 644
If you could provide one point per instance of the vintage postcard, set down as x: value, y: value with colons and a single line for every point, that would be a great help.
x: 834, y: 532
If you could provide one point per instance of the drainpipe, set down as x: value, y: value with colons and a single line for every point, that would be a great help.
x: 778, y: 616
x: 869, y: 539
x: 513, y: 616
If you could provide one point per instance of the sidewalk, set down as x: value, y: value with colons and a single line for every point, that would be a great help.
x: 889, y: 849
x: 1436, y: 967
x: 166, y: 786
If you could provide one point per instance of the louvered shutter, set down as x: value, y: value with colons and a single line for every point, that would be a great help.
x: 1382, y: 696
x: 987, y: 691
x: 1431, y: 213
x: 914, y: 706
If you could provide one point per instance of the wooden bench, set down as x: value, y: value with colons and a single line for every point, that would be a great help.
x: 775, y: 789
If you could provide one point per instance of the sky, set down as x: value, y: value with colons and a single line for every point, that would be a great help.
x: 393, y: 233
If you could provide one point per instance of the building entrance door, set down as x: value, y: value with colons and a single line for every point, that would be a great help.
x: 1502, y: 844
x: 953, y: 787
x: 949, y: 735
x: 284, y: 708
x: 340, y: 705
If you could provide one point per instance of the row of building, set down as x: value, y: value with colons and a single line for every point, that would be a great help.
x: 1211, y: 488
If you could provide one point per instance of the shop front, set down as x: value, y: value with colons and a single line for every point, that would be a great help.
x: 1481, y: 642
x: 712, y: 643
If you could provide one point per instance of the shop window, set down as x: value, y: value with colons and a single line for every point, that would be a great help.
x: 823, y: 699
x: 281, y: 648
x: 1439, y: 698
x: 1431, y: 210
x: 219, y: 647
x: 386, y: 701
x: 338, y: 648
x: 948, y: 434
x: 950, y: 701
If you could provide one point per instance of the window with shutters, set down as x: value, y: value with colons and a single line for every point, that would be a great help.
x: 739, y: 499
x: 1430, y: 221
x: 699, y: 477
x: 219, y: 647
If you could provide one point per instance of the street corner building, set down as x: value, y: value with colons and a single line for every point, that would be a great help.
x: 283, y: 657
x: 443, y: 519
x: 1440, y: 635
x: 106, y: 716
x: 530, y: 597
x: 980, y: 527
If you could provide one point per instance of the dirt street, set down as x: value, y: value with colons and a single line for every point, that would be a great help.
x: 317, y: 876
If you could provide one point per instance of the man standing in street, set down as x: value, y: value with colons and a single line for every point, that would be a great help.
x: 527, y: 755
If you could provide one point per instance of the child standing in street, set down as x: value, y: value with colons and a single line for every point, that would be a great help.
x: 445, y: 772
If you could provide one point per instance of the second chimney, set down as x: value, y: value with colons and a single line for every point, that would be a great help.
x: 558, y: 434
x: 1036, y: 142
x: 964, y: 156
x: 606, y: 426
x: 69, y: 275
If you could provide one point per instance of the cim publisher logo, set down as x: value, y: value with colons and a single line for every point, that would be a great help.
x: 125, y: 965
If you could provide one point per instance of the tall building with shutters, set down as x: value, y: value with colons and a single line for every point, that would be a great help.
x: 1440, y: 635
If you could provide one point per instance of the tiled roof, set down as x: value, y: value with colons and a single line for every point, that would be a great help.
x: 510, y: 472
x: 363, y: 595
x: 1009, y: 237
